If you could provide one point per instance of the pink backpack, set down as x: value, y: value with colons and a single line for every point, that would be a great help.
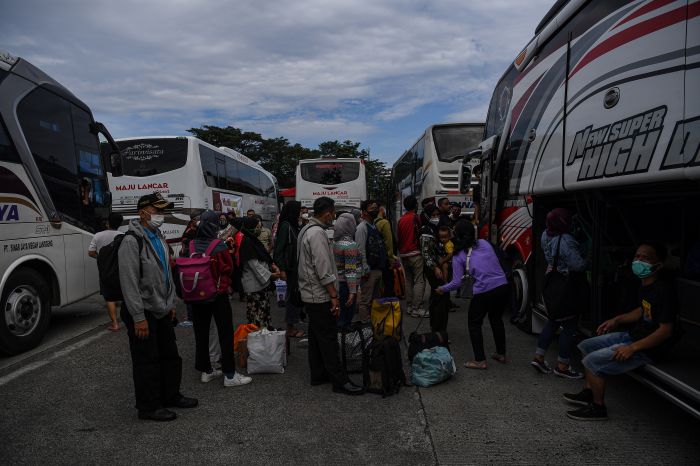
x: 195, y: 272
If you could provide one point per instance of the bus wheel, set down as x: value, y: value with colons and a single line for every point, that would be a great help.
x: 25, y: 311
x: 521, y: 294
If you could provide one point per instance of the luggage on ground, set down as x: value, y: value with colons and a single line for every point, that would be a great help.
x: 266, y: 352
x: 352, y: 345
x: 384, y: 371
x: 418, y: 342
x: 108, y: 267
x: 197, y: 279
x: 432, y: 366
x: 386, y: 318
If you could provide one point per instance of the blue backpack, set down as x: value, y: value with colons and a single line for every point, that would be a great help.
x: 432, y: 366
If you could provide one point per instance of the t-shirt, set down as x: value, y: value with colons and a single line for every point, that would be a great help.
x: 449, y: 247
x: 103, y: 238
x: 659, y: 306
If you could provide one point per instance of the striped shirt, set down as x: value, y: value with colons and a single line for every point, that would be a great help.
x: 348, y: 261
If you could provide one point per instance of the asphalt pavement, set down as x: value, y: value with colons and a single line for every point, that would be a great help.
x: 71, y: 402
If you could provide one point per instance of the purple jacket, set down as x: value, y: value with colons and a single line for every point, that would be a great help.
x: 484, y: 269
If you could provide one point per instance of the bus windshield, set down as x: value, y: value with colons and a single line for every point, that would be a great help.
x: 330, y: 172
x: 454, y: 142
x: 148, y: 157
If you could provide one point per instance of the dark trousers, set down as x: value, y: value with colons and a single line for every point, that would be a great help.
x: 324, y: 362
x: 388, y: 280
x: 156, y: 364
x: 566, y: 338
x: 438, y: 304
x: 202, y: 313
x: 491, y: 303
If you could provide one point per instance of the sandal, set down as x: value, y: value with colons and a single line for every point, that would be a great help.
x: 499, y: 357
x: 476, y: 365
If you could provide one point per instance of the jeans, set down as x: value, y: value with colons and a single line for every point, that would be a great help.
x: 324, y: 362
x: 598, y: 354
x: 415, y: 281
x: 491, y: 303
x: 566, y: 338
x: 155, y: 362
x: 202, y: 314
x: 346, y: 312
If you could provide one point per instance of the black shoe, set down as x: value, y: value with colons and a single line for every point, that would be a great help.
x: 183, y: 402
x: 541, y: 367
x: 591, y: 412
x: 349, y: 389
x: 583, y: 398
x: 161, y: 415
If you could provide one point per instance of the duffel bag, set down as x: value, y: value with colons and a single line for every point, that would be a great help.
x: 432, y: 366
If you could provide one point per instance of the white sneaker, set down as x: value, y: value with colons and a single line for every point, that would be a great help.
x: 209, y: 376
x: 237, y: 380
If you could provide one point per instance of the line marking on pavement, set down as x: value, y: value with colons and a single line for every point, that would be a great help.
x: 58, y: 354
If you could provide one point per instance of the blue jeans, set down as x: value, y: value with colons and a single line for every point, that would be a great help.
x: 346, y: 313
x: 566, y: 338
x: 598, y: 354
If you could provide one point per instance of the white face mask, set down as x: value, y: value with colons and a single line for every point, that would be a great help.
x: 156, y: 220
x: 434, y: 220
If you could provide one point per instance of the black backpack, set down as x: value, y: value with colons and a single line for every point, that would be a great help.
x: 384, y: 368
x: 375, y: 250
x: 108, y: 267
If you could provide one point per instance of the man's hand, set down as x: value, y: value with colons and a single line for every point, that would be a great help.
x: 141, y: 329
x: 283, y: 275
x: 335, y: 307
x: 351, y: 299
x: 607, y: 326
x: 438, y: 273
x: 623, y: 353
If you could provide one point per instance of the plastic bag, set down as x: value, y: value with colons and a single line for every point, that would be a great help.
x: 241, y: 334
x: 266, y: 352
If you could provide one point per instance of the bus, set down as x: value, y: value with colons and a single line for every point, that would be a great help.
x: 53, y: 198
x: 430, y: 168
x: 600, y: 114
x: 195, y: 176
x: 342, y: 179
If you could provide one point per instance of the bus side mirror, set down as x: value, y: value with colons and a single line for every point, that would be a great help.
x: 465, y: 180
x: 115, y: 156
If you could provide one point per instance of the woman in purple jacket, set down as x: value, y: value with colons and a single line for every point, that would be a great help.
x: 491, y: 292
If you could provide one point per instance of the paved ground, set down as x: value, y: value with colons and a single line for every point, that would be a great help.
x: 70, y: 403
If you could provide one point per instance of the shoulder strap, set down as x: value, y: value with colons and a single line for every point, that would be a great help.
x: 211, y: 247
x: 469, y: 256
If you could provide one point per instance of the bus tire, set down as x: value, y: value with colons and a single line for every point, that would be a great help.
x: 522, y: 312
x: 25, y: 310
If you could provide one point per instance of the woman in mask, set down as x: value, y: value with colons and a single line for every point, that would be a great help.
x: 225, y: 228
x: 557, y: 240
x: 285, y: 257
x: 257, y: 272
x: 438, y: 304
x: 347, y: 261
x: 219, y: 308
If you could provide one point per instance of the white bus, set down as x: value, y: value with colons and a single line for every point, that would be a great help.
x: 53, y: 198
x: 342, y: 179
x: 430, y: 168
x: 195, y: 176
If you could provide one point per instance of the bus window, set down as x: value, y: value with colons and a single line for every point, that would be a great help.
x: 500, y: 103
x: 249, y: 180
x: 454, y: 142
x: 330, y: 172
x: 46, y: 122
x: 8, y: 153
x: 153, y: 156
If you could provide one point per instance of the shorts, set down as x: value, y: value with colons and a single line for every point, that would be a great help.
x: 598, y: 354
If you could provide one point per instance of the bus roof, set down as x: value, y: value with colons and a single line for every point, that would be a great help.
x: 340, y: 159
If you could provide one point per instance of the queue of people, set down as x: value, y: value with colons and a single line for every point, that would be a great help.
x: 334, y: 281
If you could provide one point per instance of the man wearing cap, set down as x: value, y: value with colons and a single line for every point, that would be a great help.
x: 148, y: 311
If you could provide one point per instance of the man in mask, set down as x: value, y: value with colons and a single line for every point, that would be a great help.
x: 319, y: 292
x: 611, y: 353
x: 148, y: 311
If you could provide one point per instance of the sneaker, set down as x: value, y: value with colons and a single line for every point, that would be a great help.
x: 591, y: 412
x: 185, y: 323
x: 209, y: 376
x: 567, y: 373
x: 541, y: 366
x: 421, y: 313
x: 237, y: 380
x: 583, y: 398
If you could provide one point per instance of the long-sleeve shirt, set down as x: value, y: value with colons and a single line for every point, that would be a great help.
x: 384, y: 228
x: 348, y: 260
x: 316, y: 263
x: 428, y: 247
x: 361, y: 240
x: 484, y: 268
x: 570, y: 258
x: 407, y: 235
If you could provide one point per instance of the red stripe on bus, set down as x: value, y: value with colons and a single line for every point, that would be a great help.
x: 651, y: 6
x: 518, y: 108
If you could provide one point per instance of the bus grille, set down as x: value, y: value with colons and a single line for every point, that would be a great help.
x: 449, y: 179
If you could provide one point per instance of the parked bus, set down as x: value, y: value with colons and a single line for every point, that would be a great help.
x: 341, y: 179
x: 600, y: 113
x: 53, y: 198
x: 430, y: 168
x: 195, y: 176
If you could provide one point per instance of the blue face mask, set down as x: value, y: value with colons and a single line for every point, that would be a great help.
x: 642, y: 269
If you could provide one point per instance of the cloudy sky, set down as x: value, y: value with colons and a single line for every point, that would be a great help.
x: 377, y: 71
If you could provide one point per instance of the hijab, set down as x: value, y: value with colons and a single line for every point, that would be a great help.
x: 291, y: 211
x: 208, y: 231
x: 345, y: 225
x: 251, y: 247
x: 558, y: 222
x: 464, y: 235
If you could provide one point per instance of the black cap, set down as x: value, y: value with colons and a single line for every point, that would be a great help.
x: 156, y: 200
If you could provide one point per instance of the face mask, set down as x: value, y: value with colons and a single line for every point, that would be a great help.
x: 156, y: 220
x: 372, y: 214
x: 223, y: 224
x: 642, y: 269
x: 434, y: 220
